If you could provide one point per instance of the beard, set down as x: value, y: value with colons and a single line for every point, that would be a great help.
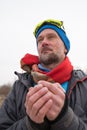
x: 49, y: 58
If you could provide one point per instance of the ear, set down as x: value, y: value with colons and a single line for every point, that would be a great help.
x: 65, y: 51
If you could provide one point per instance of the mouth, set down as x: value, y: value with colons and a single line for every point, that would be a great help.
x: 46, y: 50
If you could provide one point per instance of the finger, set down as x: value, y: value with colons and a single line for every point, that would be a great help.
x: 30, y: 88
x: 40, y: 103
x: 31, y: 91
x: 36, y: 96
x: 43, y: 111
x: 60, y: 87
x: 33, y: 99
x: 34, y: 89
x: 53, y: 87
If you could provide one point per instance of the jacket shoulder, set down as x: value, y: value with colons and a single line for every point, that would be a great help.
x: 79, y: 74
x: 25, y: 79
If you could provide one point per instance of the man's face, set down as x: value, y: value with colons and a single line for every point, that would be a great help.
x: 51, y: 48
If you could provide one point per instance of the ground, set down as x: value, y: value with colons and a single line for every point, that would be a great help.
x: 2, y: 97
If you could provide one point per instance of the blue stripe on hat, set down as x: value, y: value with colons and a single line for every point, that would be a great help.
x: 60, y: 32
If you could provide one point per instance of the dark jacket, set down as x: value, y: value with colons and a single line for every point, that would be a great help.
x: 73, y: 116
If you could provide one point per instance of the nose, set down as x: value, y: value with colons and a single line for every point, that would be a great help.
x: 45, y: 42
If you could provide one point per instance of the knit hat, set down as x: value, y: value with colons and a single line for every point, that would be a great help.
x: 56, y: 26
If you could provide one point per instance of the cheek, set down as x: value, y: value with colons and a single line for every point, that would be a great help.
x: 58, y: 49
x: 59, y: 45
x: 39, y: 50
x: 56, y: 46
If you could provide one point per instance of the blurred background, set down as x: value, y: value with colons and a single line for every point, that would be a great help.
x: 18, y: 19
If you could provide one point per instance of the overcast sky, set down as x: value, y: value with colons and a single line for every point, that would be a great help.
x: 17, y: 22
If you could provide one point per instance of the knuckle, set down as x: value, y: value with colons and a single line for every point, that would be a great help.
x: 30, y: 101
x: 35, y: 106
x: 40, y: 113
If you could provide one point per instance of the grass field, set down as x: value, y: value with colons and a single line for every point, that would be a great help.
x: 2, y: 97
x: 4, y: 90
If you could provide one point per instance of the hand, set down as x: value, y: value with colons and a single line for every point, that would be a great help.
x: 58, y: 98
x: 38, y: 102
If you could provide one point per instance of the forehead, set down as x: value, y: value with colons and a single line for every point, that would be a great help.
x: 47, y: 31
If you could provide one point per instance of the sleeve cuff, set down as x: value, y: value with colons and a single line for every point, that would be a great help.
x: 66, y: 122
x: 35, y: 126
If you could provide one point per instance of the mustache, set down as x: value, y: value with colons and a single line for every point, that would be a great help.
x: 46, y: 49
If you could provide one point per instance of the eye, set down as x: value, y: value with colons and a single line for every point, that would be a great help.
x: 39, y: 40
x: 51, y: 36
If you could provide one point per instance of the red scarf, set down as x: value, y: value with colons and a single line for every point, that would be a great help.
x: 61, y: 73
